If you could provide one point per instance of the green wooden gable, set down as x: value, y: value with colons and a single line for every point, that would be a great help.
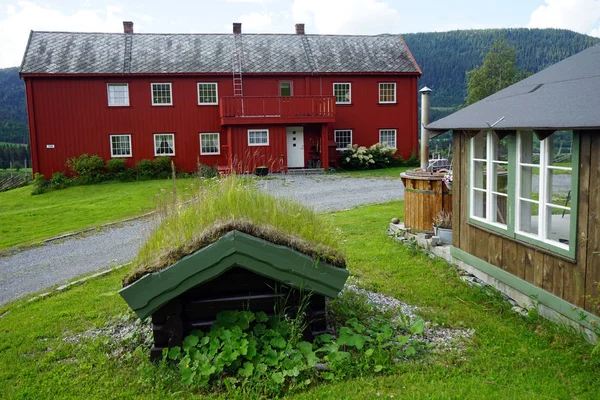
x: 235, y: 248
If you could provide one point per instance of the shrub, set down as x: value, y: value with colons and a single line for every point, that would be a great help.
x: 39, y: 184
x: 89, y: 169
x: 59, y: 181
x: 17, y: 165
x: 144, y: 169
x: 205, y: 171
x: 359, y: 157
x: 117, y: 170
x: 162, y: 167
x: 412, y: 161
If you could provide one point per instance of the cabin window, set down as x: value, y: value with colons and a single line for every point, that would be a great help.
x: 120, y: 145
x: 164, y: 144
x: 342, y: 93
x: 210, y: 143
x: 208, y: 93
x: 544, y: 183
x: 285, y: 89
x: 489, y: 178
x: 343, y: 139
x: 388, y: 136
x: 258, y: 137
x: 387, y: 92
x: 118, y: 94
x: 161, y: 94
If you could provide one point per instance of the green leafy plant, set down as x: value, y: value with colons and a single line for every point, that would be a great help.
x: 86, y: 168
x: 162, y: 167
x: 144, y: 169
x: 377, y: 156
x: 59, y: 181
x: 39, y: 184
x: 206, y: 171
x: 117, y: 170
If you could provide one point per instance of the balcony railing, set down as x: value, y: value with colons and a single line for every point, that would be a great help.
x: 271, y: 109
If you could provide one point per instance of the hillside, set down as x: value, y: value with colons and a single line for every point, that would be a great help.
x: 444, y: 58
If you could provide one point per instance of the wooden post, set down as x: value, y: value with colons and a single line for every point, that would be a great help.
x: 325, y: 146
x: 229, y: 149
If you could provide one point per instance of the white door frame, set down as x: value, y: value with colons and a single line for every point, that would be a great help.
x: 295, y: 148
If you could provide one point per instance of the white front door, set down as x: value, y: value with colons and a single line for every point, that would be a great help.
x: 295, y: 146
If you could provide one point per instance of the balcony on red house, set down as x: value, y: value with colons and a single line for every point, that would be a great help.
x: 277, y: 110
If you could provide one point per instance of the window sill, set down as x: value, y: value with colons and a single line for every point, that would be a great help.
x: 388, y: 103
x: 344, y: 104
x: 207, y: 104
x: 162, y: 105
x: 210, y: 154
x: 129, y: 106
x: 164, y: 155
x: 121, y: 156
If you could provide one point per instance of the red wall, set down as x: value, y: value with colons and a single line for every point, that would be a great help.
x: 72, y: 113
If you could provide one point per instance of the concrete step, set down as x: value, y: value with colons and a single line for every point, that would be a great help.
x: 305, y: 171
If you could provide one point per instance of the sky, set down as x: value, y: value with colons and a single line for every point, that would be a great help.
x: 368, y: 17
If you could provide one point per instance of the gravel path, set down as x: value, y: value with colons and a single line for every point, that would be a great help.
x: 34, y: 269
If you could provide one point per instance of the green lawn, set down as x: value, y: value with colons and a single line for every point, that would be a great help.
x: 26, y: 219
x: 374, y: 173
x: 508, y: 357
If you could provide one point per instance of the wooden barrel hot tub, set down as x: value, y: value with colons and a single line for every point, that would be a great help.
x: 425, y: 195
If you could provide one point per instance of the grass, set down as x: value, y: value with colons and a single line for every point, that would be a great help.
x: 374, y: 173
x: 27, y: 219
x: 509, y: 356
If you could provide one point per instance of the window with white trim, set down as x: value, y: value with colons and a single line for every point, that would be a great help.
x: 258, y: 137
x: 544, y: 178
x: 118, y: 94
x: 342, y: 138
x: 210, y: 143
x: 489, y: 178
x: 164, y: 144
x: 285, y: 88
x: 161, y: 94
x: 208, y: 93
x: 342, y: 93
x: 120, y: 145
x: 388, y: 136
x: 387, y: 92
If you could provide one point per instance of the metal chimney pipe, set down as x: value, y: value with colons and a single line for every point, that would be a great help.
x: 424, y: 122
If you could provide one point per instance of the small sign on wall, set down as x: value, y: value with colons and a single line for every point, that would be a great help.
x: 49, y: 146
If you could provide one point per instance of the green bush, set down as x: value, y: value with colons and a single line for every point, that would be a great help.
x: 88, y: 169
x: 117, y: 170
x: 59, y: 181
x: 144, y: 169
x: 39, y: 185
x: 162, y: 167
x: 412, y: 161
x: 360, y: 157
x: 206, y: 171
x: 17, y: 165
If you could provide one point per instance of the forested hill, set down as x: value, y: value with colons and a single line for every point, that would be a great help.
x: 445, y: 57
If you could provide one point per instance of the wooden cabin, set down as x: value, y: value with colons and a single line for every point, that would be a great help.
x: 526, y: 192
x: 237, y: 272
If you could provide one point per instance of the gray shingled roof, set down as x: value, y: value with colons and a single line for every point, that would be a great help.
x: 108, y: 53
x: 565, y: 95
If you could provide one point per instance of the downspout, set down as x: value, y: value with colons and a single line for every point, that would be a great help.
x: 424, y: 132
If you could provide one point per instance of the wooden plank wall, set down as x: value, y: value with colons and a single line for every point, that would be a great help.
x: 557, y: 275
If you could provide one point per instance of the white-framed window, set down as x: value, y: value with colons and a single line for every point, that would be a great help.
x: 118, y: 94
x: 489, y: 178
x: 120, y: 145
x: 342, y: 93
x: 258, y: 137
x: 286, y: 88
x: 164, y: 144
x: 210, y: 143
x: 387, y: 92
x: 208, y: 93
x: 388, y: 136
x: 161, y: 94
x: 342, y: 138
x: 543, y: 187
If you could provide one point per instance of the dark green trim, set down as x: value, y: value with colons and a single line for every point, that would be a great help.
x: 233, y: 249
x: 551, y: 301
x: 419, y: 191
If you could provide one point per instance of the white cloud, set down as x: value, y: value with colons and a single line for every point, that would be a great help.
x: 347, y: 16
x: 578, y: 15
x: 257, y: 22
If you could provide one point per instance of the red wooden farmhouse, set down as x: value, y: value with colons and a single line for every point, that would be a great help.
x: 279, y: 100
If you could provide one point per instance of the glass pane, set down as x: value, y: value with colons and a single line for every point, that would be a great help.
x: 285, y: 89
x: 500, y: 148
x: 530, y: 183
x: 479, y: 148
x: 559, y: 187
x: 561, y: 148
x: 479, y: 174
x: 559, y: 222
x: 530, y: 148
x: 499, y: 209
x: 529, y: 217
x: 479, y: 204
x: 500, y: 178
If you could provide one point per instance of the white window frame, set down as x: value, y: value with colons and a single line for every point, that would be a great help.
x: 156, y: 148
x: 216, y: 102
x: 488, y: 191
x: 335, y: 133
x: 395, y: 96
x: 291, y: 88
x: 170, y: 93
x: 108, y: 86
x: 255, y: 131
x: 543, y: 203
x: 349, y: 92
x: 203, y: 153
x: 121, y: 155
x: 395, y: 137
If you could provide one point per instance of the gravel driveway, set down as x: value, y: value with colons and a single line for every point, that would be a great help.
x: 34, y: 269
